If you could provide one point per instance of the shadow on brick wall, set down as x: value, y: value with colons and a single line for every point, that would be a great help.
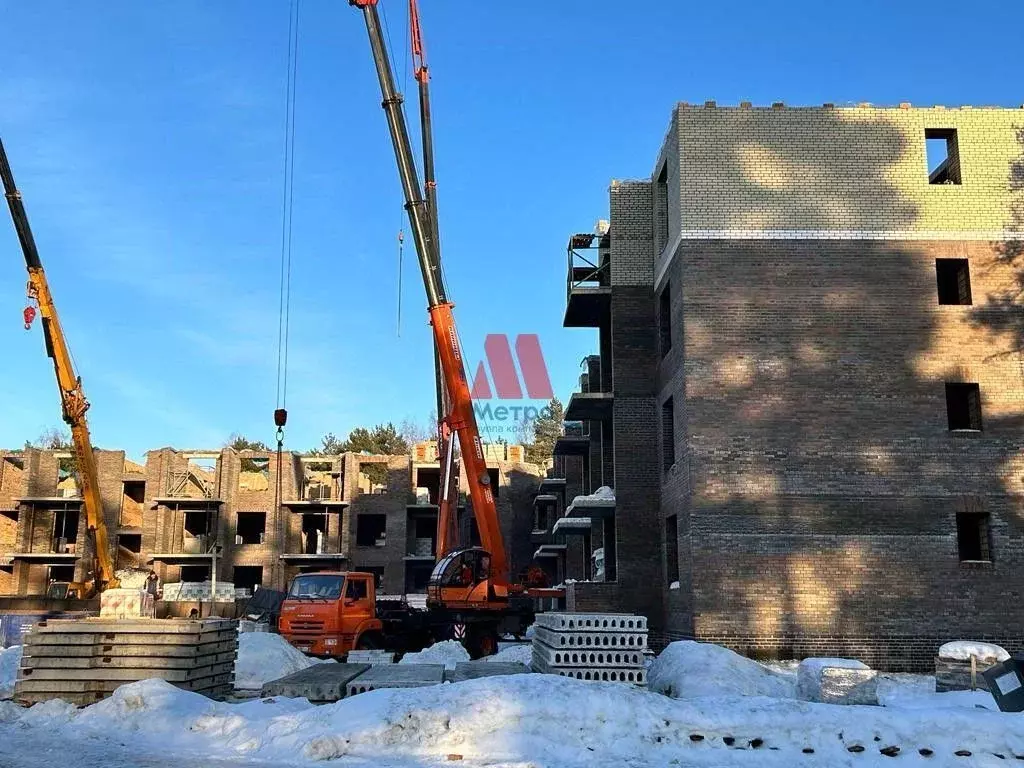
x: 824, y: 481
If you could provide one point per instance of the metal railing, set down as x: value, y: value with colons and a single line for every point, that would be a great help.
x: 585, y: 271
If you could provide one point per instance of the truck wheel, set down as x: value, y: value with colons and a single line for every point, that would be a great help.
x: 482, y: 641
x: 368, y: 642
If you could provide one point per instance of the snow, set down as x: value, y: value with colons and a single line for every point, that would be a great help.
x: 674, y: 585
x: 10, y: 660
x: 523, y: 720
x: 687, y: 669
x: 514, y: 653
x: 263, y: 656
x: 962, y: 650
x: 447, y: 652
x: 808, y: 675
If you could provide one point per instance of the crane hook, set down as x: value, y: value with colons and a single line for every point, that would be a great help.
x: 29, y: 315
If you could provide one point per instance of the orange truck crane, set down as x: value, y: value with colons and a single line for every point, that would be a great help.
x: 470, y: 596
x: 72, y: 398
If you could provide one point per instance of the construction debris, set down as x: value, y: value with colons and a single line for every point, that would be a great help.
x: 84, y: 661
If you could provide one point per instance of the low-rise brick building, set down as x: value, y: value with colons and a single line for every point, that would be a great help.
x: 257, y: 522
x: 809, y: 391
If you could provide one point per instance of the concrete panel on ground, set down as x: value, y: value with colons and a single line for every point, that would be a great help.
x: 397, y: 676
x: 473, y: 670
x: 601, y: 674
x: 126, y: 674
x: 130, y: 637
x: 319, y: 683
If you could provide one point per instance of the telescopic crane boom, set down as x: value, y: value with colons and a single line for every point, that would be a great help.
x: 460, y: 418
x: 72, y: 398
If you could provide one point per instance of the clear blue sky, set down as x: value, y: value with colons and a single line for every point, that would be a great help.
x: 147, y: 140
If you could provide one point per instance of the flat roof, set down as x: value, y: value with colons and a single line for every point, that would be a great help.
x: 46, y: 557
x: 187, y: 501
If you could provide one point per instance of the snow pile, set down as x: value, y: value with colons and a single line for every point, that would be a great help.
x: 263, y: 657
x: 808, y: 675
x: 10, y: 660
x: 447, y: 652
x: 687, y: 669
x: 962, y: 650
x: 906, y: 691
x: 541, y: 720
x: 514, y: 653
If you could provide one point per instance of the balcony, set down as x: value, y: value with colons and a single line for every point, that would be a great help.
x: 572, y: 445
x: 588, y: 282
x: 589, y: 406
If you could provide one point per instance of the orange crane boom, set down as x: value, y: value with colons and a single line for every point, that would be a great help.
x: 460, y: 418
x: 72, y: 397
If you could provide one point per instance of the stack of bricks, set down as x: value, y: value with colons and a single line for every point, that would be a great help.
x: 83, y: 661
x: 591, y: 646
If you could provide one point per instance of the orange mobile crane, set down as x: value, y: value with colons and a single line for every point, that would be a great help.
x: 469, y: 584
x: 72, y: 398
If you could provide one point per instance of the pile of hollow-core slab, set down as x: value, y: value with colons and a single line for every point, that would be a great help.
x: 591, y: 646
x: 83, y: 661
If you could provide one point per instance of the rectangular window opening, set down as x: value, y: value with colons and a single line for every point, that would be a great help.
x: 943, y: 155
x: 665, y: 319
x: 314, y: 534
x: 373, y: 477
x: 972, y: 536
x: 672, y: 548
x: 197, y: 523
x: 61, y: 573
x: 130, y: 541
x: 371, y: 530
x: 251, y: 527
x: 963, y: 406
x: 195, y: 573
x: 65, y: 531
x: 668, y: 436
x: 247, y: 576
x: 954, y: 281
x: 254, y: 474
x: 661, y: 208
x: 428, y: 485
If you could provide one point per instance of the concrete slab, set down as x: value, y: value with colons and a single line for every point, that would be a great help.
x: 319, y: 683
x: 125, y: 674
x: 129, y: 638
x: 370, y: 657
x: 597, y: 674
x: 473, y: 670
x: 145, y: 626
x: 581, y: 657
x: 592, y: 622
x: 588, y: 640
x: 113, y: 650
x: 397, y: 676
x: 127, y: 662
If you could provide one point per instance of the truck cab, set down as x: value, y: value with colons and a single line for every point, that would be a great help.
x: 331, y: 613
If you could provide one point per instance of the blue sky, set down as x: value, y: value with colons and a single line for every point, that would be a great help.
x: 147, y: 139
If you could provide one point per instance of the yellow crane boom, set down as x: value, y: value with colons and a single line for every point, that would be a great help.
x: 72, y: 398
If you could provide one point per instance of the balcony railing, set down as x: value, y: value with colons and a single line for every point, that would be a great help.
x: 585, y: 270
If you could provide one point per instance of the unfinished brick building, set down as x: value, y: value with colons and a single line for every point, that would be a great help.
x: 809, y: 390
x: 185, y: 513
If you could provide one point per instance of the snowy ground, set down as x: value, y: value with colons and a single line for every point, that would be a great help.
x: 720, y: 716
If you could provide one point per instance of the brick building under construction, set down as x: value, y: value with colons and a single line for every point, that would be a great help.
x: 808, y: 389
x: 184, y: 513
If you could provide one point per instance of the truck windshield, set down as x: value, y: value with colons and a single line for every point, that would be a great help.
x: 322, y: 587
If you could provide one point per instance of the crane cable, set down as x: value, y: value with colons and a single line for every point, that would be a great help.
x: 287, y: 198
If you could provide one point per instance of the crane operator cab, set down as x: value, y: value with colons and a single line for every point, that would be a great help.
x: 462, y: 577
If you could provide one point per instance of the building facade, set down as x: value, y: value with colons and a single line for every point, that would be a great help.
x: 810, y: 387
x: 245, y: 517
